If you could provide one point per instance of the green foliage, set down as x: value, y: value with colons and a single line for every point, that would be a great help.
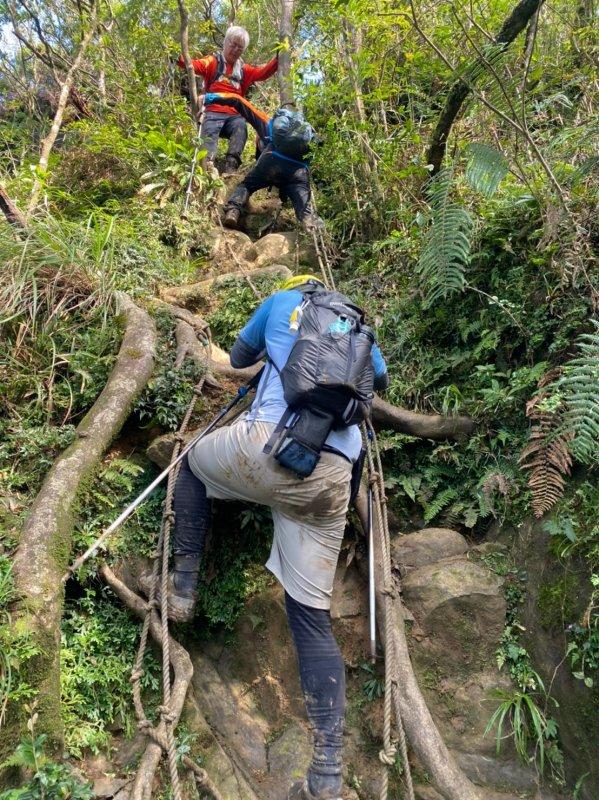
x: 235, y: 302
x: 521, y: 714
x: 99, y: 642
x: 234, y: 568
x: 486, y: 168
x: 446, y: 248
x: 16, y: 646
x: 579, y: 388
x: 49, y: 780
x: 373, y: 687
x: 116, y: 484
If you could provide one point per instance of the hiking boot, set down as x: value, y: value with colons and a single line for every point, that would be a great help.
x: 182, y: 588
x: 231, y: 165
x: 231, y: 219
x: 312, y: 222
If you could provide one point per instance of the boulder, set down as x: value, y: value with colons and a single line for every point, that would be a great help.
x: 290, y: 754
x: 232, y: 712
x: 227, y: 245
x: 460, y: 605
x: 285, y: 248
x: 426, y: 547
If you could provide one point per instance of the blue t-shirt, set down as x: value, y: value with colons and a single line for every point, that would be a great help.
x: 268, y: 329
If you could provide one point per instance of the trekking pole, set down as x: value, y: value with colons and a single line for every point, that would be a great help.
x: 241, y: 393
x: 371, y: 582
x: 194, y: 160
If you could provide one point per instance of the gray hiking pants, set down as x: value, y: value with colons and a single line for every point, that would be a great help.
x: 308, y: 515
x: 224, y: 126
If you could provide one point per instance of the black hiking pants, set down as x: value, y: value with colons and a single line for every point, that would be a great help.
x: 321, y: 667
x: 291, y: 179
x: 224, y: 126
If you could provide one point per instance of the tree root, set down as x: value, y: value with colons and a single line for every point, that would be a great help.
x: 421, y: 731
x: 44, y: 549
x: 200, y: 292
x: 426, y: 426
x: 183, y: 670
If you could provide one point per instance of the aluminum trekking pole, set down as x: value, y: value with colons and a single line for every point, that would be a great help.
x: 124, y: 515
x: 371, y: 581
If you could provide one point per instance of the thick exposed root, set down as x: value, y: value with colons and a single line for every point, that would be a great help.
x: 44, y: 550
x: 183, y: 671
x: 427, y: 426
x: 421, y: 731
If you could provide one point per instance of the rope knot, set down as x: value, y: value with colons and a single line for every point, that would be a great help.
x: 144, y: 724
x: 389, y: 590
x: 387, y: 755
x: 166, y: 713
x: 180, y: 437
x: 169, y: 516
x: 135, y: 675
x: 374, y: 477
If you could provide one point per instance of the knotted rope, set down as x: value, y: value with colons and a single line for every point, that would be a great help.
x: 163, y: 734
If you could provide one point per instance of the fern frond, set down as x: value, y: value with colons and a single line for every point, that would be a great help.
x: 579, y: 387
x: 486, y: 168
x: 438, y: 504
x: 446, y: 250
x: 547, y: 455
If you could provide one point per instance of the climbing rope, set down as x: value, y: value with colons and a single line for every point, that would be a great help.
x: 376, y: 481
x: 163, y: 734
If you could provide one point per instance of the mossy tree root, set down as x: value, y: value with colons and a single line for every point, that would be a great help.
x: 45, y: 545
x: 183, y: 672
x: 421, y: 731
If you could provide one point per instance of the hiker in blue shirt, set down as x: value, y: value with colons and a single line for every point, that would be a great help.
x: 309, y: 516
x: 284, y: 144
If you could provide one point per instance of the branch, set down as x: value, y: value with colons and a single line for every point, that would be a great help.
x: 513, y: 25
x: 284, y: 67
x: 421, y: 731
x: 63, y: 97
x: 196, y: 108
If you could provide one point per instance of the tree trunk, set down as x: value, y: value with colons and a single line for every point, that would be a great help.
x: 191, y: 76
x: 44, y: 549
x: 284, y: 68
x: 513, y: 25
x: 63, y: 97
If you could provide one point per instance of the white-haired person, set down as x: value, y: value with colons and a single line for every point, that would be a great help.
x: 226, y: 72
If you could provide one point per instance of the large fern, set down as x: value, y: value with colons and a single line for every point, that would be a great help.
x: 547, y: 456
x: 579, y: 387
x: 446, y: 250
x: 486, y: 168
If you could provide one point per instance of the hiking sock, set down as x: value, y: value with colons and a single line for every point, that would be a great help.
x: 322, y: 675
x: 193, y: 515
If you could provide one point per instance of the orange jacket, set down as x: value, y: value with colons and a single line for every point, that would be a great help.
x: 207, y: 67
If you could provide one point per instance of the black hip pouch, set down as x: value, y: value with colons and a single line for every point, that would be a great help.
x: 300, y: 446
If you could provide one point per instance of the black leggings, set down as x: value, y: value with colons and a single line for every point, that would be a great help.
x: 321, y: 666
x: 193, y: 513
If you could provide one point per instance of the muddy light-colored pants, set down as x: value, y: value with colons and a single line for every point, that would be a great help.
x: 309, y: 515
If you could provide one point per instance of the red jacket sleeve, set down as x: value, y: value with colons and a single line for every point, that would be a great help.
x: 201, y: 66
x: 252, y: 74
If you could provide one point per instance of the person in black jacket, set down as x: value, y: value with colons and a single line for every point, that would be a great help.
x: 291, y: 176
